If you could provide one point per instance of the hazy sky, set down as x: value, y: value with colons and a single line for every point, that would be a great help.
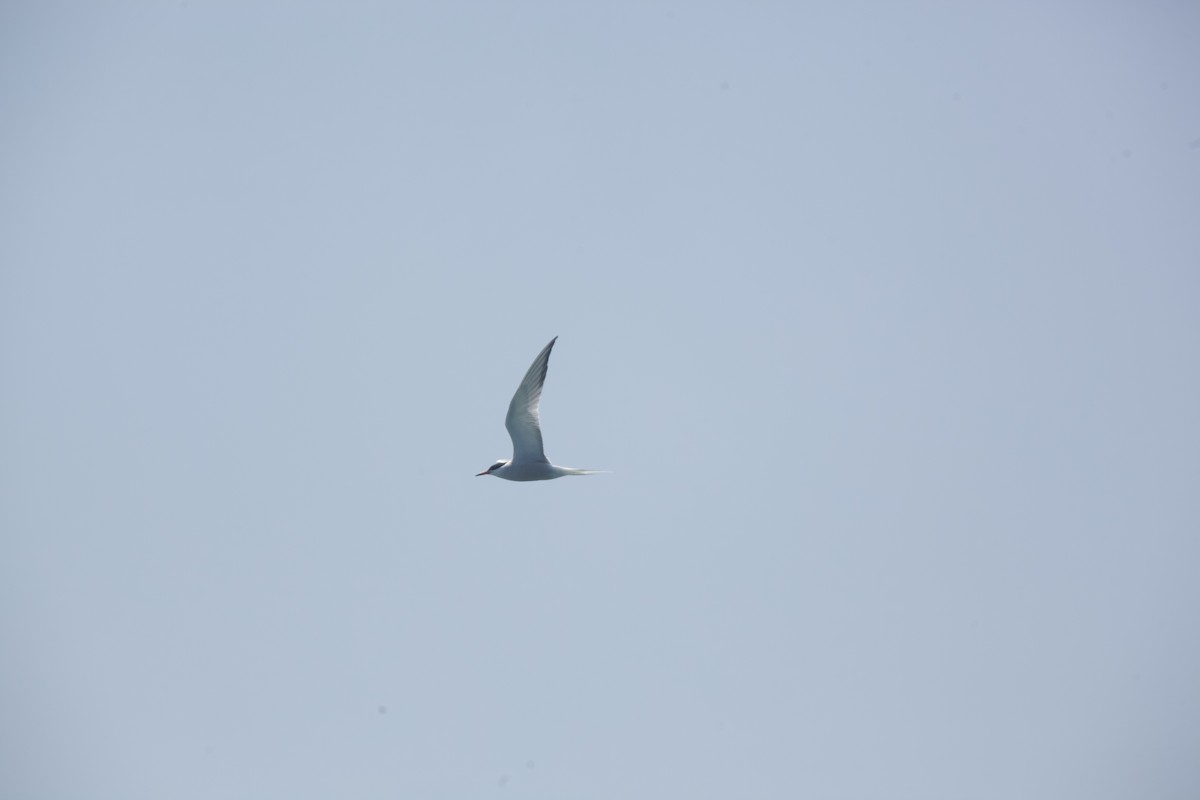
x: 884, y: 317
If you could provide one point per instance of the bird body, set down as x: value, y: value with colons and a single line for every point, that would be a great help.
x: 533, y: 471
x: 529, y: 462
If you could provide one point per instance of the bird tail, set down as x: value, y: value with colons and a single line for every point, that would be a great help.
x: 573, y: 471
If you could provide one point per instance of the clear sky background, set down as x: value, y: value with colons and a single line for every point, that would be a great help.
x: 885, y: 318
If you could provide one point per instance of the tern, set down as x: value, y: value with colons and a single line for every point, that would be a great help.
x: 529, y: 462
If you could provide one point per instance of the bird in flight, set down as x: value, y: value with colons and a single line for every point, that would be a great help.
x: 529, y: 462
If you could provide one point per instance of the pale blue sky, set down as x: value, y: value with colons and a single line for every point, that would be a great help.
x: 884, y: 319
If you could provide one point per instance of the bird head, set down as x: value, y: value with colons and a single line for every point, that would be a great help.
x: 502, y: 462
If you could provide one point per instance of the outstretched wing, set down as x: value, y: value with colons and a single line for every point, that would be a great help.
x: 523, y: 422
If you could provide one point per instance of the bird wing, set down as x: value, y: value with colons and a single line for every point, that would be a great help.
x: 523, y: 422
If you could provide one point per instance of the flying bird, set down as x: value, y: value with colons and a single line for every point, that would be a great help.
x: 529, y: 462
